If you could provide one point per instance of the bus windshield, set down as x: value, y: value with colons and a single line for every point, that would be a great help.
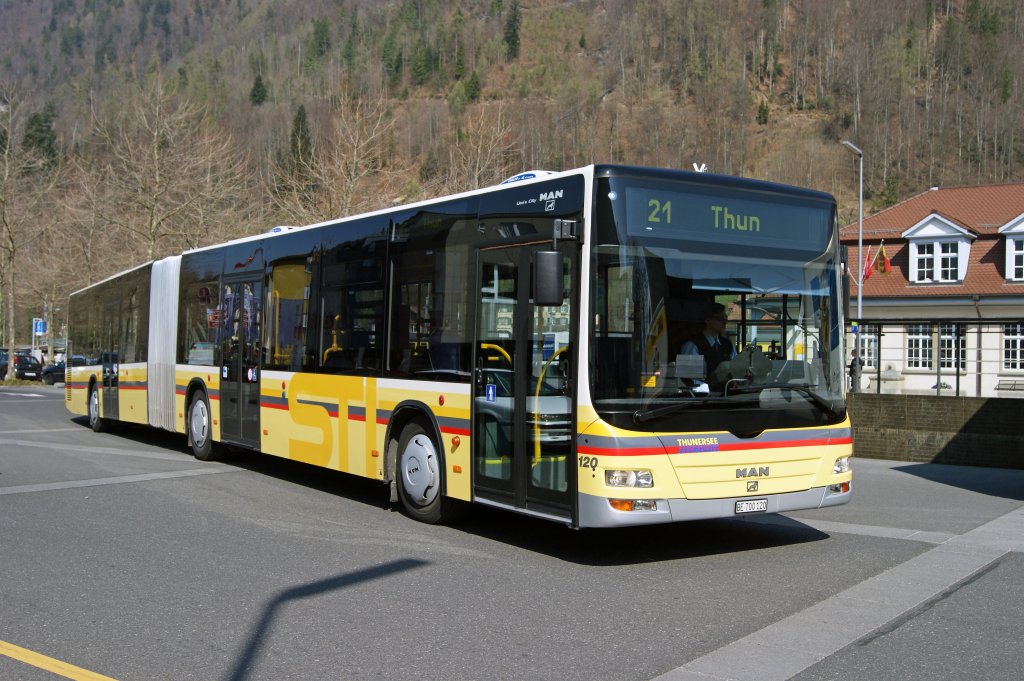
x: 711, y: 301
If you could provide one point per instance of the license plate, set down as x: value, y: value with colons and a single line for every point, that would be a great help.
x: 30, y: 373
x: 752, y: 506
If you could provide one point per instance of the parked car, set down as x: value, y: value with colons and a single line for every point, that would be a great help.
x: 26, y: 367
x: 54, y: 373
x: 548, y: 411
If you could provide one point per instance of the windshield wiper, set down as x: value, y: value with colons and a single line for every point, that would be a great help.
x: 645, y: 415
x: 802, y: 388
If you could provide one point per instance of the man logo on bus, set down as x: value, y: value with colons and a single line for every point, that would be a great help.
x: 752, y: 472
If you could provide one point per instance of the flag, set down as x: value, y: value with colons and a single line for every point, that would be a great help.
x: 884, y: 264
x: 867, y: 266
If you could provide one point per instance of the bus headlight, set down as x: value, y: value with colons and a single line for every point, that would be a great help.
x: 629, y: 478
x: 842, y: 465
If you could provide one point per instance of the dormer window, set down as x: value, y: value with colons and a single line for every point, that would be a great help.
x: 939, y: 251
x: 937, y: 262
x: 1013, y: 232
x: 1015, y: 261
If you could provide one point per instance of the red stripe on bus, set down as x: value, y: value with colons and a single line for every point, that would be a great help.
x: 455, y: 431
x: 729, y: 447
x: 268, y: 405
x: 621, y: 451
x: 820, y: 442
x: 357, y: 417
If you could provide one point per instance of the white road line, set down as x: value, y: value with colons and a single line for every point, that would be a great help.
x: 144, y: 477
x: 87, y: 449
x: 829, y: 526
x: 786, y: 648
x: 41, y: 430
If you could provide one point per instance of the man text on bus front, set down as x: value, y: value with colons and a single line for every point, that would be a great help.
x: 711, y: 342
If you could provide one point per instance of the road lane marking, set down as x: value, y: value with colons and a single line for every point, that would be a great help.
x: 34, y: 659
x: 121, y: 479
x: 40, y: 430
x: 791, y: 645
x: 829, y: 526
x: 86, y: 449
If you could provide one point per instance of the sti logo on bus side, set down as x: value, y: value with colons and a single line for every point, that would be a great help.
x: 752, y: 472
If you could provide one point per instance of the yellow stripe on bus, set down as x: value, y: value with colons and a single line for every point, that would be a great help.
x: 68, y: 671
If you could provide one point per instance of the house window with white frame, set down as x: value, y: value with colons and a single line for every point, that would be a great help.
x: 952, y: 344
x: 925, y: 262
x: 919, y: 346
x: 1013, y: 346
x: 938, y: 262
x: 949, y: 266
x: 1016, y: 248
x: 869, y: 341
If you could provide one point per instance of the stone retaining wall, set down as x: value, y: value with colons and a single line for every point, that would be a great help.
x: 966, y: 431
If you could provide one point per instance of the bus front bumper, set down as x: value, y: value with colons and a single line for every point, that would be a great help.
x: 598, y: 512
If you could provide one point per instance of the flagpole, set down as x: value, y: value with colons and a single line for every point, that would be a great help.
x: 860, y: 243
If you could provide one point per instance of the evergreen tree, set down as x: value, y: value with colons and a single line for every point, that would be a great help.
x: 39, y: 135
x: 301, y: 142
x: 459, y: 68
x: 258, y: 93
x: 473, y: 87
x: 349, y: 52
x: 511, y: 36
x: 391, y: 57
x: 321, y: 42
x: 421, y: 64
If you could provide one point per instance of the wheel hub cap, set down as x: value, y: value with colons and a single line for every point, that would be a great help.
x: 419, y: 470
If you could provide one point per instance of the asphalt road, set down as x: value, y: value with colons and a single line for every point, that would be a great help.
x: 124, y: 557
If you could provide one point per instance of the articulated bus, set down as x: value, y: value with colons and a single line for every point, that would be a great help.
x: 521, y: 346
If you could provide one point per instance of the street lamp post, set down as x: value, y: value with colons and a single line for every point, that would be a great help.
x: 860, y: 242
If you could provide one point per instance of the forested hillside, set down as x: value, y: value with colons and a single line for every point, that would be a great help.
x: 136, y: 128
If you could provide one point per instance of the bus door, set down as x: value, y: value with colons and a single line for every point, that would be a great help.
x: 110, y: 329
x: 240, y: 357
x: 523, y: 411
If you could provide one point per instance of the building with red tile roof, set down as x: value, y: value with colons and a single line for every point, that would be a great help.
x: 956, y: 260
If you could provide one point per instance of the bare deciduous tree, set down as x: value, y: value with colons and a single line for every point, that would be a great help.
x: 348, y: 171
x: 26, y: 183
x: 483, y: 152
x: 165, y: 160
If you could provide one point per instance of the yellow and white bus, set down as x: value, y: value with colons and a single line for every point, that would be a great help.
x: 521, y: 346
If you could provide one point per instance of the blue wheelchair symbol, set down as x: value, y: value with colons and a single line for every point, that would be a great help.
x: 491, y: 392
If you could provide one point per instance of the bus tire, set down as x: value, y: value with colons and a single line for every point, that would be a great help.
x: 418, y: 471
x: 200, y: 432
x: 97, y: 424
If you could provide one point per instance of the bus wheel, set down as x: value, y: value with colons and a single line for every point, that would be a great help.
x: 200, y: 434
x: 97, y: 424
x: 419, y: 474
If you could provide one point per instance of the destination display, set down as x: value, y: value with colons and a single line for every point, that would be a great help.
x: 726, y: 218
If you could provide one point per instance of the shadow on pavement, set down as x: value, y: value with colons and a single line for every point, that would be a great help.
x: 627, y: 546
x: 260, y: 632
x: 605, y: 547
x: 996, y: 482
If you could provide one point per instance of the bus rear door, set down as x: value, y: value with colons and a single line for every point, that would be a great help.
x: 240, y: 370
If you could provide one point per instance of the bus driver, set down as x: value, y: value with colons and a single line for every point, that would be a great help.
x: 712, y: 342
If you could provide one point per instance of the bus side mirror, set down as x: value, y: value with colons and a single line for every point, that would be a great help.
x: 547, y: 278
